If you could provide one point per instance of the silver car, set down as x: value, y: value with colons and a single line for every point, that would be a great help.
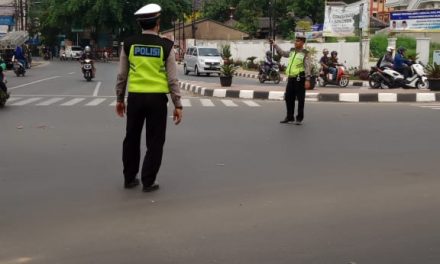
x: 202, y: 60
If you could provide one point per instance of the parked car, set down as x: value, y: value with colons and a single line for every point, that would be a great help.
x: 202, y: 60
x: 74, y: 52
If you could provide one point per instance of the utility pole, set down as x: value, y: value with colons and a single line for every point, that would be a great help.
x: 193, y: 26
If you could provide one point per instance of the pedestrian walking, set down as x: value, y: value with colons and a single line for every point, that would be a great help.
x: 147, y: 63
x: 299, y: 73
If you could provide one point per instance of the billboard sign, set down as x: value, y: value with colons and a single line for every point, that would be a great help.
x: 417, y: 20
x: 7, y: 20
x: 342, y: 20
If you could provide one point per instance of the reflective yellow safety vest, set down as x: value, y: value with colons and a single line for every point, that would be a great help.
x: 296, y: 63
x: 147, y: 72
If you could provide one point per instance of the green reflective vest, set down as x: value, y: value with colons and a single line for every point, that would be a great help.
x: 296, y: 63
x: 147, y: 72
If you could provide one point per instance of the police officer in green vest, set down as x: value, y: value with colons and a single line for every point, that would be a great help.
x: 147, y: 67
x: 298, y: 72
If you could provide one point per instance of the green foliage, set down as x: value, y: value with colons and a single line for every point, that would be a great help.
x: 412, y: 54
x: 410, y: 43
x: 433, y: 71
x: 378, y: 45
x: 226, y: 51
x: 228, y: 69
x: 331, y: 39
x: 218, y: 10
x: 61, y: 16
x: 352, y: 39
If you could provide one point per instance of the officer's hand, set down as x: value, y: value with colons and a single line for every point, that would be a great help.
x: 271, y: 41
x: 177, y: 116
x: 307, y: 85
x: 120, y: 109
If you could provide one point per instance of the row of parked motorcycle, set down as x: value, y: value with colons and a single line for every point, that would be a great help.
x: 379, y: 78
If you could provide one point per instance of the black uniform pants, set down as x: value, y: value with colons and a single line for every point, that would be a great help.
x: 152, y: 109
x: 295, y: 91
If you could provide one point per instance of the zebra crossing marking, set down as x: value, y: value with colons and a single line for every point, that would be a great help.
x: 74, y: 101
x: 27, y: 101
x: 229, y: 103
x: 96, y: 102
x: 50, y: 101
x: 251, y: 103
x: 207, y: 102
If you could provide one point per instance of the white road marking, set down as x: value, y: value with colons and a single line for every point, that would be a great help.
x: 12, y: 99
x: 96, y: 101
x: 251, y: 103
x: 98, y: 85
x: 50, y: 101
x: 428, y: 106
x: 207, y: 102
x: 229, y: 103
x: 186, y: 103
x: 73, y: 102
x: 27, y: 101
x: 72, y: 73
x: 34, y: 82
x: 113, y: 103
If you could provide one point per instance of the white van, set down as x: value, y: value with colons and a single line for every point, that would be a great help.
x: 74, y: 52
x: 202, y: 60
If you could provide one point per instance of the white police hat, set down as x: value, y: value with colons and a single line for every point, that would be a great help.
x: 150, y: 11
x: 300, y: 35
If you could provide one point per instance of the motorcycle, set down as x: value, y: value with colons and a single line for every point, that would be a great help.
x: 87, y: 69
x: 389, y: 78
x: 19, y: 68
x: 342, y: 78
x: 3, y: 94
x: 63, y: 56
x: 272, y: 75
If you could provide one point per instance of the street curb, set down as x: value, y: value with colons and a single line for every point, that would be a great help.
x: 315, y: 96
x: 284, y: 79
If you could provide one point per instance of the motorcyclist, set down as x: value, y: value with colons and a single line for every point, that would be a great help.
x: 87, y: 54
x: 387, y: 60
x: 333, y: 64
x: 2, y: 77
x: 324, y: 61
x: 268, y: 62
x: 401, y: 64
x: 19, y: 56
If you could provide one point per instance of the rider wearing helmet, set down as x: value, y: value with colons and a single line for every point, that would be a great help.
x: 268, y: 62
x: 400, y: 63
x: 87, y: 54
x: 387, y: 60
x: 324, y: 61
x: 333, y: 64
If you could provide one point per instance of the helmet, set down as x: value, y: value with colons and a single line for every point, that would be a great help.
x: 87, y: 49
x: 301, y: 36
x: 401, y: 49
x: 334, y: 53
x: 268, y: 53
x: 390, y: 49
x: 325, y: 51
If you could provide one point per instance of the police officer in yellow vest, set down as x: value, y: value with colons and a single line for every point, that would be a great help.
x: 147, y: 66
x: 299, y: 73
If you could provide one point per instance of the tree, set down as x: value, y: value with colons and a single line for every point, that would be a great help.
x: 104, y: 15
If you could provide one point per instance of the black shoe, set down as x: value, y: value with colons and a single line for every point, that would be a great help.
x: 151, y: 188
x: 132, y: 184
x: 287, y: 121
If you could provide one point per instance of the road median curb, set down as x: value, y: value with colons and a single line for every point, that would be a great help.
x: 314, y: 96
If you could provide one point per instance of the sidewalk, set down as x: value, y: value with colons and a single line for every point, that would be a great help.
x: 322, y: 94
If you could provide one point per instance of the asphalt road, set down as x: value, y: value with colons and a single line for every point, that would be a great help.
x: 356, y: 183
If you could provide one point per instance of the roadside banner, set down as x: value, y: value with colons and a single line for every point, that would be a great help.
x: 342, y: 20
x: 416, y: 20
